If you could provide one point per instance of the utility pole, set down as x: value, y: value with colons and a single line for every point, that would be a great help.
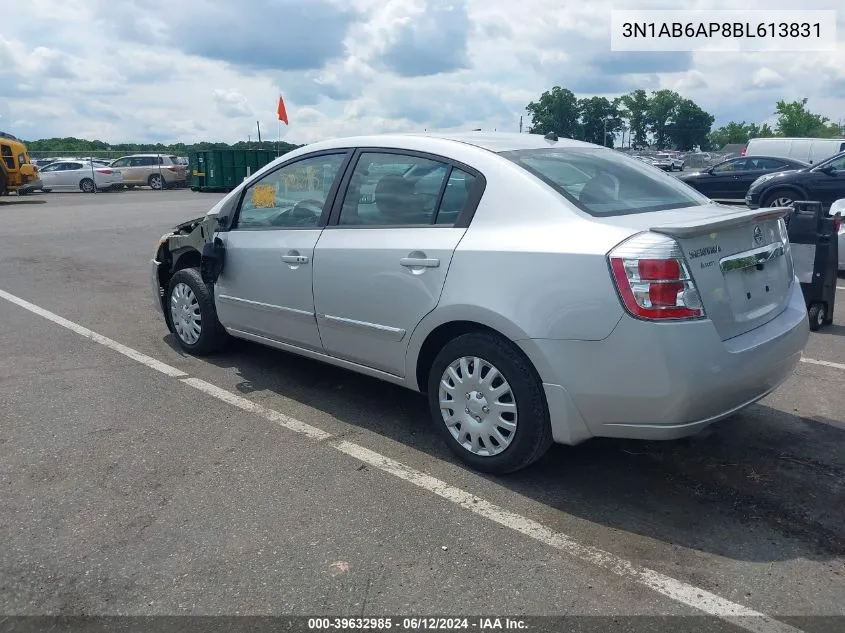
x: 604, y: 138
x: 258, y: 125
x: 520, y: 124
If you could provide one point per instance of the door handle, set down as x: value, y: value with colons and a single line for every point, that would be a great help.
x: 295, y: 259
x: 419, y: 262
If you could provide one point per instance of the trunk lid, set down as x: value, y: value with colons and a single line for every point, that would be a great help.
x: 739, y: 260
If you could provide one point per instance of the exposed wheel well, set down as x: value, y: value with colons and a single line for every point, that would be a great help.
x: 188, y: 258
x: 437, y: 339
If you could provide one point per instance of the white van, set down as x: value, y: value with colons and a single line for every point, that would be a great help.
x: 808, y: 150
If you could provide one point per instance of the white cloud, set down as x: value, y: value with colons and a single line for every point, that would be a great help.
x: 108, y: 70
x: 767, y: 78
x: 232, y: 103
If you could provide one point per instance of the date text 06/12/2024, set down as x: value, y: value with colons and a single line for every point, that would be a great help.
x: 481, y: 624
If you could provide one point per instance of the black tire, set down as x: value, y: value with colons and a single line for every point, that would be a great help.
x: 87, y: 185
x: 817, y: 316
x: 156, y: 181
x: 130, y: 187
x: 212, y: 336
x: 775, y: 194
x: 533, y: 434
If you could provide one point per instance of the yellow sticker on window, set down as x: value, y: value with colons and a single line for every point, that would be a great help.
x: 263, y: 196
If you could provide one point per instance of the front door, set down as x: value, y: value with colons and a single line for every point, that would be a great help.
x: 827, y: 187
x: 380, y: 265
x: 265, y: 287
x: 724, y: 180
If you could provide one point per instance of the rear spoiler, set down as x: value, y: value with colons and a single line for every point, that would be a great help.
x: 717, y: 223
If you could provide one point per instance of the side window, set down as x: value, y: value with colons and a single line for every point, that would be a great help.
x: 838, y: 164
x: 8, y: 156
x: 293, y: 196
x: 732, y: 165
x: 392, y: 190
x: 455, y: 196
x: 767, y: 163
x: 50, y: 167
x: 121, y: 162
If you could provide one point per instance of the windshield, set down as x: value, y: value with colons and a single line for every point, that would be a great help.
x: 604, y: 182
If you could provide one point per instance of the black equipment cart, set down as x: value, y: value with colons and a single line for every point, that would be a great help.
x: 815, y: 251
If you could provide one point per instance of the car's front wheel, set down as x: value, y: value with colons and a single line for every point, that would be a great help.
x: 191, y: 314
x: 781, y: 198
x: 488, y: 403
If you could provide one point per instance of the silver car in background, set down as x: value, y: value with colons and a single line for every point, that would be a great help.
x: 78, y: 175
x: 535, y: 290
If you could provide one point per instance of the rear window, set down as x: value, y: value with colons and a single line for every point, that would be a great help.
x: 604, y: 182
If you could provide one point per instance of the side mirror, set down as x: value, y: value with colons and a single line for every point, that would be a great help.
x: 827, y: 169
x: 837, y: 207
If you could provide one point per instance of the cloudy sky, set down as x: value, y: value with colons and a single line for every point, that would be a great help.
x: 168, y: 70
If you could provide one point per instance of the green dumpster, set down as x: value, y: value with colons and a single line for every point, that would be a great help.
x: 224, y: 169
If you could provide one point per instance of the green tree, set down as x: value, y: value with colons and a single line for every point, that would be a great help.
x: 600, y: 120
x: 794, y: 119
x: 555, y: 111
x: 662, y: 106
x: 635, y: 111
x: 690, y: 126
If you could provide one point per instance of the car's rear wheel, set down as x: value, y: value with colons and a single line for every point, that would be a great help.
x: 191, y: 314
x: 488, y: 403
x: 87, y: 185
x: 156, y: 181
x: 782, y: 198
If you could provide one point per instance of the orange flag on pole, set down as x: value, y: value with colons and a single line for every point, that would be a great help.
x: 283, y: 114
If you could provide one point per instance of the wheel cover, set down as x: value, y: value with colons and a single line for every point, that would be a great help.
x: 155, y: 182
x: 782, y: 201
x: 87, y: 186
x: 820, y: 316
x: 185, y: 314
x: 478, y: 406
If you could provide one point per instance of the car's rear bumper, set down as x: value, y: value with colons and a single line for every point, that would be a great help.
x: 667, y: 380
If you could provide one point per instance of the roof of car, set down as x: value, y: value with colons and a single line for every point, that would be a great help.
x: 492, y: 141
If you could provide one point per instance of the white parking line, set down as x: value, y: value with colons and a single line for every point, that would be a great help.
x: 826, y: 363
x: 667, y: 586
x: 150, y: 362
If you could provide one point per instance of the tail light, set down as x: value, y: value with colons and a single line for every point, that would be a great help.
x: 104, y: 171
x: 172, y: 168
x: 837, y: 222
x: 744, y: 149
x: 653, y: 280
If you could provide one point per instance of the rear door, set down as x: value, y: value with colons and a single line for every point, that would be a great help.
x: 380, y: 265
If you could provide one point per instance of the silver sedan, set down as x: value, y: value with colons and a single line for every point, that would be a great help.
x: 536, y: 290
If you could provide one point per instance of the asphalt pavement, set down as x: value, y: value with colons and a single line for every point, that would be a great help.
x: 257, y: 482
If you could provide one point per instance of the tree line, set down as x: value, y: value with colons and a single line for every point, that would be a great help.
x: 82, y: 147
x: 663, y: 119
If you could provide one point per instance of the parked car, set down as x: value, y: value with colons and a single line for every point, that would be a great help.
x: 513, y: 279
x: 668, y: 162
x: 79, y: 176
x: 807, y: 150
x: 156, y: 171
x: 824, y: 182
x: 730, y: 179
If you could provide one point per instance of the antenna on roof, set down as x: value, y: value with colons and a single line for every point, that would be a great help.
x: 551, y: 136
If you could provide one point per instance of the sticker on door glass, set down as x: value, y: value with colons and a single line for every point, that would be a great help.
x: 263, y: 197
